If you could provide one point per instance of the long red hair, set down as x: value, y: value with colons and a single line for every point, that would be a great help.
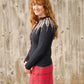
x: 48, y: 12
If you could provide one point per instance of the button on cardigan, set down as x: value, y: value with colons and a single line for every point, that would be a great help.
x: 41, y: 40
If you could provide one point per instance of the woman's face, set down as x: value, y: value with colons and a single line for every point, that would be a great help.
x: 38, y: 10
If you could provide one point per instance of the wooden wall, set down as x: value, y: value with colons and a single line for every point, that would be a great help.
x: 67, y: 50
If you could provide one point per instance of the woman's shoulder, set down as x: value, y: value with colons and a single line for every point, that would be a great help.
x: 47, y: 21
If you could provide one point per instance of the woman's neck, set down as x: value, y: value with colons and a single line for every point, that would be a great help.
x: 41, y: 16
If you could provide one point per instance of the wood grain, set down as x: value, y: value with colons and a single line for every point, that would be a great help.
x: 67, y: 50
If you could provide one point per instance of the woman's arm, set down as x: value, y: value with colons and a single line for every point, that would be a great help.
x: 27, y: 57
x: 45, y: 39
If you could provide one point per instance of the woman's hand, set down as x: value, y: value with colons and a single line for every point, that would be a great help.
x: 27, y: 71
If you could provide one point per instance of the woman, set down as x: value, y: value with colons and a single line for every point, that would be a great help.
x: 38, y: 62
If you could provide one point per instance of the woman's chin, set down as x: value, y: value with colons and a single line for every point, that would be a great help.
x: 37, y: 14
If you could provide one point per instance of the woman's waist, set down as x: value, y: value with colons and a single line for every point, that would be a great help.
x: 44, y: 62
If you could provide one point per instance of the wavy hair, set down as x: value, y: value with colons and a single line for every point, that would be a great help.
x: 47, y: 10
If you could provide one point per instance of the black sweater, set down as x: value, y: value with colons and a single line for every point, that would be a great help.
x: 41, y: 40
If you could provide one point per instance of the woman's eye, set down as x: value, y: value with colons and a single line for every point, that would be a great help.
x: 39, y: 4
x: 36, y: 4
x: 33, y: 4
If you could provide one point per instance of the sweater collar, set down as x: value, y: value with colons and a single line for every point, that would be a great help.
x: 41, y: 18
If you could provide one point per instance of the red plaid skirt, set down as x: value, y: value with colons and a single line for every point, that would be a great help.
x: 41, y: 75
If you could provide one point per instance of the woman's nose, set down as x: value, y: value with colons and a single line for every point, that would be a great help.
x: 36, y: 6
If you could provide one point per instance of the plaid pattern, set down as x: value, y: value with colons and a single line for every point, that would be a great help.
x: 41, y: 75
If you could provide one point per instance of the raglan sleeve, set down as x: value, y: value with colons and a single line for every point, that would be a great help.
x: 45, y: 38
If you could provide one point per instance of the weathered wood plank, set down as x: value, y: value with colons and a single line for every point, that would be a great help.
x: 67, y: 50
